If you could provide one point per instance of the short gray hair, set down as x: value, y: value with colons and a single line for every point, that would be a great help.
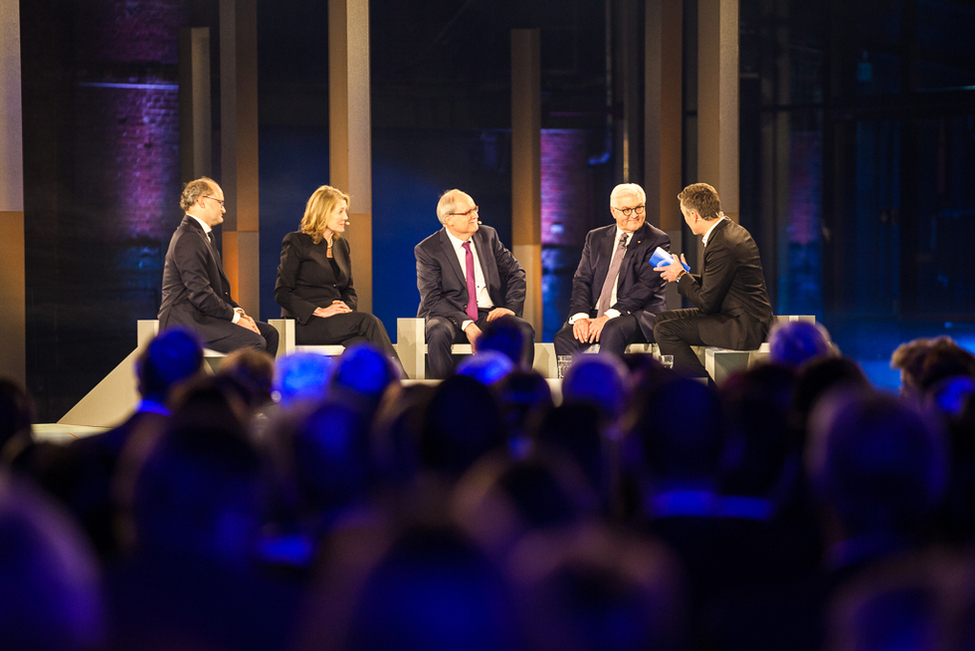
x: 628, y: 188
x: 448, y: 200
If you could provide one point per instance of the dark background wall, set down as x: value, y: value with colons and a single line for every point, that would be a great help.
x: 857, y: 152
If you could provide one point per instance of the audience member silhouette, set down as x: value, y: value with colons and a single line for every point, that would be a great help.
x: 592, y: 588
x: 417, y: 586
x: 462, y: 422
x: 49, y: 578
x: 194, y: 504
x: 81, y: 474
x: 793, y: 343
x: 462, y: 515
x: 508, y: 336
x: 487, y: 367
x: 301, y: 377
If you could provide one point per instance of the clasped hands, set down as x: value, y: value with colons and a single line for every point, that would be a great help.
x: 588, y: 330
x: 247, y: 322
x: 337, y: 307
x: 473, y: 332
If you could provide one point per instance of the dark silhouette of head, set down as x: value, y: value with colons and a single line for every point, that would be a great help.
x: 49, y: 583
x: 680, y: 429
x: 760, y: 441
x: 331, y: 457
x: 199, y: 487
x: 909, y: 358
x: 422, y: 587
x: 462, y: 422
x: 793, y: 343
x: 600, y: 380
x: 173, y: 356
x: 943, y: 360
x: 302, y: 377
x: 819, y: 376
x: 525, y: 398
x: 487, y: 367
x: 507, y: 336
x: 362, y: 374
x: 876, y: 463
x: 253, y: 371
x: 591, y: 588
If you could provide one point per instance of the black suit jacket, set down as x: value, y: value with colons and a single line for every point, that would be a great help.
x: 306, y: 279
x: 195, y: 291
x: 731, y: 287
x: 641, y: 291
x: 443, y: 288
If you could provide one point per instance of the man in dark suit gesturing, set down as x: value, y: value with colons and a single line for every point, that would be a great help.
x: 461, y: 259
x: 615, y: 291
x: 732, y: 305
x: 195, y: 291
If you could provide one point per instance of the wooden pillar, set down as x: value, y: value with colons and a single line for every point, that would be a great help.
x: 195, y: 117
x: 717, y: 100
x: 526, y: 165
x: 350, y: 130
x: 664, y: 121
x: 13, y: 283
x: 238, y: 147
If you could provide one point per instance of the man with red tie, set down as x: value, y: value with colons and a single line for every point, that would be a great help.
x: 615, y: 292
x: 466, y: 278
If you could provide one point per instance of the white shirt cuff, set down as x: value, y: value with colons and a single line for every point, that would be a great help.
x: 612, y: 313
x: 578, y: 315
x: 237, y: 313
x: 465, y: 323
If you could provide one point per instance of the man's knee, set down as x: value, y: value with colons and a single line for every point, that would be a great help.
x: 439, y: 330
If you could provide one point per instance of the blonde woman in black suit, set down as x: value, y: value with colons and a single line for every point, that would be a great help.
x: 314, y: 285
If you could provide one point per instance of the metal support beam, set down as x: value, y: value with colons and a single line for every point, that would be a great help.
x: 350, y: 130
x: 526, y: 165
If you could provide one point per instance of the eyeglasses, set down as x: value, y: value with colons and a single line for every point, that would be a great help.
x: 472, y: 211
x: 215, y: 199
x: 629, y: 211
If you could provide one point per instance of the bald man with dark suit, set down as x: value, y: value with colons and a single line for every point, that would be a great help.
x: 441, y: 277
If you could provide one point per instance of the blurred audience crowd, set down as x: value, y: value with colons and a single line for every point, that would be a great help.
x: 318, y: 503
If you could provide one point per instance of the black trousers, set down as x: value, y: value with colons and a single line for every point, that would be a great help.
x: 441, y: 334
x: 617, y: 334
x: 240, y: 337
x: 677, y: 330
x: 346, y: 329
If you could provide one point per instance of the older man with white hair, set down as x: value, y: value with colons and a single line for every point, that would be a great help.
x: 615, y: 292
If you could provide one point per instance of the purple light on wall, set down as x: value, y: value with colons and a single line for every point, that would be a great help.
x: 128, y: 113
x: 566, y: 186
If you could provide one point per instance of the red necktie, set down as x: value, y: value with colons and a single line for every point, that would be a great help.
x: 471, y: 286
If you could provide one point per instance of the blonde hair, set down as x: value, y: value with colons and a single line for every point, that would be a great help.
x: 320, y: 205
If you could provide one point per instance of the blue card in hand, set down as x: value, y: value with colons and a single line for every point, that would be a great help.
x: 662, y: 258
